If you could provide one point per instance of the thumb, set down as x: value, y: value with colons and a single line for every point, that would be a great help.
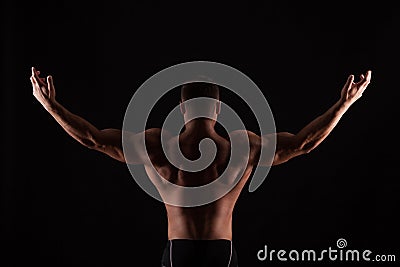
x: 50, y: 82
x: 50, y: 85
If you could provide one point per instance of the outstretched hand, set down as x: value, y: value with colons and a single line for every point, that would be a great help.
x: 43, y: 89
x: 353, y: 91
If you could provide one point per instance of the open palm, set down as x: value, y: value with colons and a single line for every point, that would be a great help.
x: 43, y: 89
x: 352, y: 91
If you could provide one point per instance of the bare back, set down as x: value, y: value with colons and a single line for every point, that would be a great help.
x: 210, y: 221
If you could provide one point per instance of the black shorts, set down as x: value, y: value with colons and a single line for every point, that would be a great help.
x: 199, y: 253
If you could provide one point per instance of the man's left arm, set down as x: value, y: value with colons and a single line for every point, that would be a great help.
x: 290, y: 145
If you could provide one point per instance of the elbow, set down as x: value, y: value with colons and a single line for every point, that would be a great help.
x: 89, y: 143
x: 91, y: 139
x: 302, y: 145
x: 307, y: 148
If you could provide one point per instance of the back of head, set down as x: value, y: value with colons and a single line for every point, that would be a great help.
x: 199, y: 89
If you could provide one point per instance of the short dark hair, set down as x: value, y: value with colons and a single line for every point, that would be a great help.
x: 199, y: 89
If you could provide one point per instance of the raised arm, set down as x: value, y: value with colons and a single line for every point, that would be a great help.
x: 108, y: 141
x: 291, y: 145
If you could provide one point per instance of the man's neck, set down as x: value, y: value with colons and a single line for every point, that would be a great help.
x: 200, y: 127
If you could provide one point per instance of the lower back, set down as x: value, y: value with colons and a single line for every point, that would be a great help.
x: 211, y: 221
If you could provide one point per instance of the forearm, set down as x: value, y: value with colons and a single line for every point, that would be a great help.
x: 291, y: 145
x: 77, y: 127
x: 316, y: 131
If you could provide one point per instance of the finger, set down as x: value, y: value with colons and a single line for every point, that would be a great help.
x: 362, y: 77
x: 33, y: 84
x: 349, y: 81
x: 50, y: 81
x: 33, y: 80
x: 38, y: 85
x: 50, y: 84
x: 367, y: 79
x: 368, y: 76
x: 41, y: 81
x: 36, y: 72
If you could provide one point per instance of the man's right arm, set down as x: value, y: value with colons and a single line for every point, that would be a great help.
x: 107, y: 141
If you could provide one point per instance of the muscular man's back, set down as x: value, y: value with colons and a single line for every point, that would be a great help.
x: 199, y: 235
x: 210, y: 221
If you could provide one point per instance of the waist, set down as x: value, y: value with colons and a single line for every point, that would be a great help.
x: 210, y: 230
x: 198, y: 244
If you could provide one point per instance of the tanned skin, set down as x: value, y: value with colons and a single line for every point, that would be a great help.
x: 213, y: 220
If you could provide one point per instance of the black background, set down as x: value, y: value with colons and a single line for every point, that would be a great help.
x: 65, y: 205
